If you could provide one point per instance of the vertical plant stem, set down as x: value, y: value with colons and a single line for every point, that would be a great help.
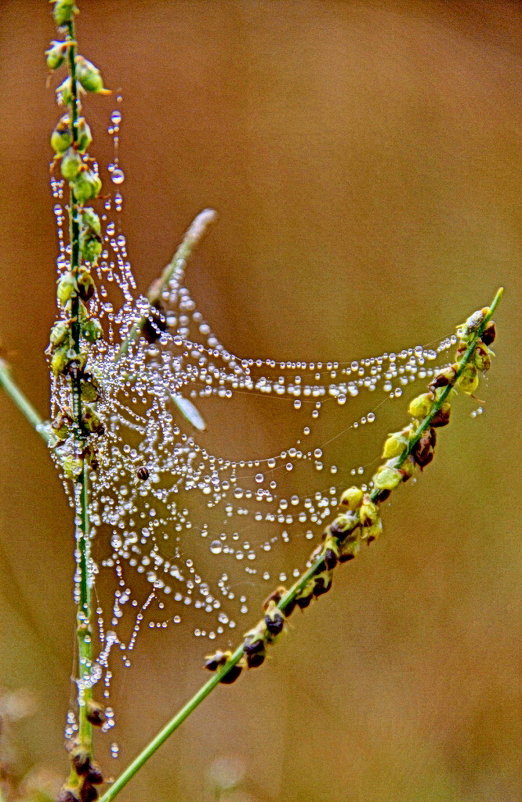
x: 82, y: 522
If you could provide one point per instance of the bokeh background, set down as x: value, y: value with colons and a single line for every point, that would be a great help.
x: 365, y: 161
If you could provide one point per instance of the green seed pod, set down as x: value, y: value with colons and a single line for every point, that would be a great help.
x: 86, y: 285
x: 482, y: 357
x: 90, y: 391
x: 72, y: 468
x: 368, y: 512
x: 350, y: 549
x: 91, y: 421
x: 61, y: 137
x: 64, y: 93
x: 421, y: 405
x: 371, y: 533
x: 71, y: 164
x: 89, y: 76
x: 90, y: 220
x: 86, y: 186
x: 395, y: 444
x: 60, y: 360
x: 63, y: 11
x: 67, y: 288
x: 468, y: 380
x: 351, y: 498
x: 387, y: 478
x: 56, y: 54
x: 90, y: 246
x: 59, y: 333
x: 84, y: 136
x: 92, y: 330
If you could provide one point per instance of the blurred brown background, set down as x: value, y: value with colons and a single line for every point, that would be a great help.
x: 365, y: 161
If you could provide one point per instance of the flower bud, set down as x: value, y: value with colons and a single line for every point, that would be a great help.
x: 90, y: 246
x: 90, y: 391
x: 232, y: 675
x: 322, y: 583
x: 86, y: 185
x: 84, y: 136
x: 94, y: 775
x: 59, y: 333
x: 349, y: 549
x: 275, y: 597
x: 92, y: 330
x: 468, y: 380
x: 56, y: 54
x: 64, y: 93
x: 395, y: 444
x: 61, y: 425
x: 81, y: 760
x: 443, y: 378
x: 89, y: 76
x: 61, y: 137
x: 421, y: 405
x: 216, y: 660
x: 482, y: 357
x: 63, y: 11
x: 330, y: 552
x: 91, y: 421
x: 86, y: 286
x: 305, y: 596
x: 368, y: 512
x: 351, y: 497
x: 90, y: 220
x: 254, y: 648
x: 67, y: 288
x: 274, y: 620
x: 71, y: 164
x: 60, y: 360
x: 371, y: 533
x: 95, y: 714
x: 387, y: 478
x: 442, y: 417
x: 342, y: 524
x: 72, y: 468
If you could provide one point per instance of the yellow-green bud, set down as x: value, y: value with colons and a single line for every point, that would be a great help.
x: 64, y: 11
x: 84, y: 136
x: 67, y: 288
x: 64, y: 94
x: 395, y: 444
x: 86, y: 185
x: 90, y: 391
x: 91, y: 421
x: 468, y: 380
x: 89, y: 76
x: 92, y: 330
x: 59, y: 332
x: 351, y: 497
x: 60, y: 360
x: 86, y: 286
x: 368, y: 512
x: 372, y: 532
x: 61, y: 137
x: 90, y: 246
x: 72, y: 468
x: 71, y: 164
x: 56, y: 54
x: 90, y: 220
x: 482, y: 357
x: 387, y: 478
x: 421, y: 405
x: 349, y: 549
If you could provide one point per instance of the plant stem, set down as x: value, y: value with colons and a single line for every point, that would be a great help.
x: 289, y: 597
x: 81, y: 490
x: 20, y: 400
x: 193, y: 236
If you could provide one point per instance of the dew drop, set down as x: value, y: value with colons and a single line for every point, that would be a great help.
x: 216, y: 547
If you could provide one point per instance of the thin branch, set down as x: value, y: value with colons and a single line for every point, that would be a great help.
x: 21, y: 401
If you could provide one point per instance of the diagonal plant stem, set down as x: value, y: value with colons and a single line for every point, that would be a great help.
x: 317, y: 565
x: 194, y: 234
x: 21, y: 401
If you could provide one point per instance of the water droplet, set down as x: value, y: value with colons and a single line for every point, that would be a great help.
x: 216, y: 547
x: 117, y: 176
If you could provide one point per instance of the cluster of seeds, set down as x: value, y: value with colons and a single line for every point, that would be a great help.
x: 360, y: 521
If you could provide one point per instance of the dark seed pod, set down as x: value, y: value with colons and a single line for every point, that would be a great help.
x: 289, y: 608
x: 275, y: 622
x: 442, y: 417
x: 275, y: 596
x: 255, y: 652
x: 95, y: 710
x: 94, y: 775
x: 423, y: 450
x: 489, y: 333
x: 382, y: 495
x: 155, y: 324
x: 322, y: 583
x: 305, y: 597
x: 216, y: 660
x: 81, y: 760
x: 89, y: 793
x: 142, y: 473
x: 443, y: 378
x: 232, y: 675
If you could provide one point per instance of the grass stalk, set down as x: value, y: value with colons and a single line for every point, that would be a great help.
x: 21, y: 401
x: 287, y: 599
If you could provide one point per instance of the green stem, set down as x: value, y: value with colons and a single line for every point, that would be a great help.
x: 20, y: 400
x: 193, y: 236
x: 315, y: 568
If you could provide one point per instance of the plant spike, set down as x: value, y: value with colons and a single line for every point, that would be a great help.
x: 343, y: 537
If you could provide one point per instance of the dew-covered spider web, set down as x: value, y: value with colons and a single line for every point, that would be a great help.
x: 185, y: 525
